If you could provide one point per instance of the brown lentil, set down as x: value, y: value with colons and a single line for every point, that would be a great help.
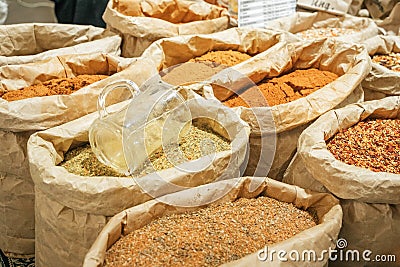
x: 210, y: 236
x: 371, y: 144
x: 227, y: 58
x: 283, y: 89
x: 62, y: 86
x: 82, y: 161
x: 391, y: 61
x: 325, y: 32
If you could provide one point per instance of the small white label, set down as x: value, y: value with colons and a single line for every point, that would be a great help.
x: 255, y: 13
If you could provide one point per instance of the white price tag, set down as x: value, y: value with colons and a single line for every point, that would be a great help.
x: 255, y: 13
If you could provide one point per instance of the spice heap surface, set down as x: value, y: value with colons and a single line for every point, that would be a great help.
x: 210, y: 236
x: 372, y: 144
x: 82, y: 161
x: 191, y: 72
x: 228, y: 58
x: 325, y: 32
x: 283, y: 89
x: 391, y: 61
x: 198, y: 142
x: 62, y: 86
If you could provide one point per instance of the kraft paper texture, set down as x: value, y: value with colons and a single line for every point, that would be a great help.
x: 370, y: 200
x: 19, y: 119
x: 30, y: 42
x: 71, y: 210
x: 143, y: 22
x: 317, y: 238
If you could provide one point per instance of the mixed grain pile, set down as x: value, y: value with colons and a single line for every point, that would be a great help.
x: 372, y: 144
x: 210, y: 236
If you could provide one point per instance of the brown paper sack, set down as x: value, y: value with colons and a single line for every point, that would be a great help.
x: 19, y: 119
x: 391, y: 24
x: 301, y: 21
x: 379, y: 9
x: 318, y: 238
x: 30, y: 42
x: 169, y: 52
x: 370, y: 200
x: 381, y: 81
x: 71, y: 210
x: 339, y: 7
x: 143, y: 22
x: 277, y: 128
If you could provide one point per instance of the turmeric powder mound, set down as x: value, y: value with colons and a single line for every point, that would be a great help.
x: 283, y: 89
x: 62, y: 86
x: 227, y: 58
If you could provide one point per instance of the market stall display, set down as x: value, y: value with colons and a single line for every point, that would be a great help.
x: 22, y: 117
x: 151, y: 172
x: 241, y: 49
x: 230, y: 215
x: 143, y: 22
x: 30, y: 42
x: 356, y: 146
x: 72, y: 209
x: 339, y: 85
x: 384, y: 78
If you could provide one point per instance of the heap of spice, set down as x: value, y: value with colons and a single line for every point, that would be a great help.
x: 62, y: 86
x: 191, y: 72
x: 210, y: 236
x: 283, y: 89
x: 390, y: 61
x: 373, y: 144
x: 202, y: 68
x: 227, y: 58
x: 325, y: 32
x: 82, y: 161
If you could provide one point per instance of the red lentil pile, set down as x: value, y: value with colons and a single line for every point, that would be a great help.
x: 283, y: 89
x: 390, y: 61
x: 371, y: 144
x: 210, y: 236
x: 62, y: 86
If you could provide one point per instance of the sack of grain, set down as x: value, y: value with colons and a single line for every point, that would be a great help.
x: 384, y: 78
x: 143, y: 22
x: 278, y: 116
x: 321, y: 24
x: 223, y: 226
x: 19, y: 118
x: 331, y: 6
x: 72, y: 208
x: 361, y: 170
x: 30, y: 42
x: 238, y: 48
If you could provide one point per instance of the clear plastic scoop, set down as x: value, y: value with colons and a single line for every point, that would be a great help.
x: 155, y: 118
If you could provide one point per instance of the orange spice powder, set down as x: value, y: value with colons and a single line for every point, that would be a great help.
x: 283, y: 89
x: 62, y: 86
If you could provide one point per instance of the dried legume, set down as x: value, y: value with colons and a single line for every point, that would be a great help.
x: 372, y: 144
x: 391, y: 61
x: 210, y: 236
